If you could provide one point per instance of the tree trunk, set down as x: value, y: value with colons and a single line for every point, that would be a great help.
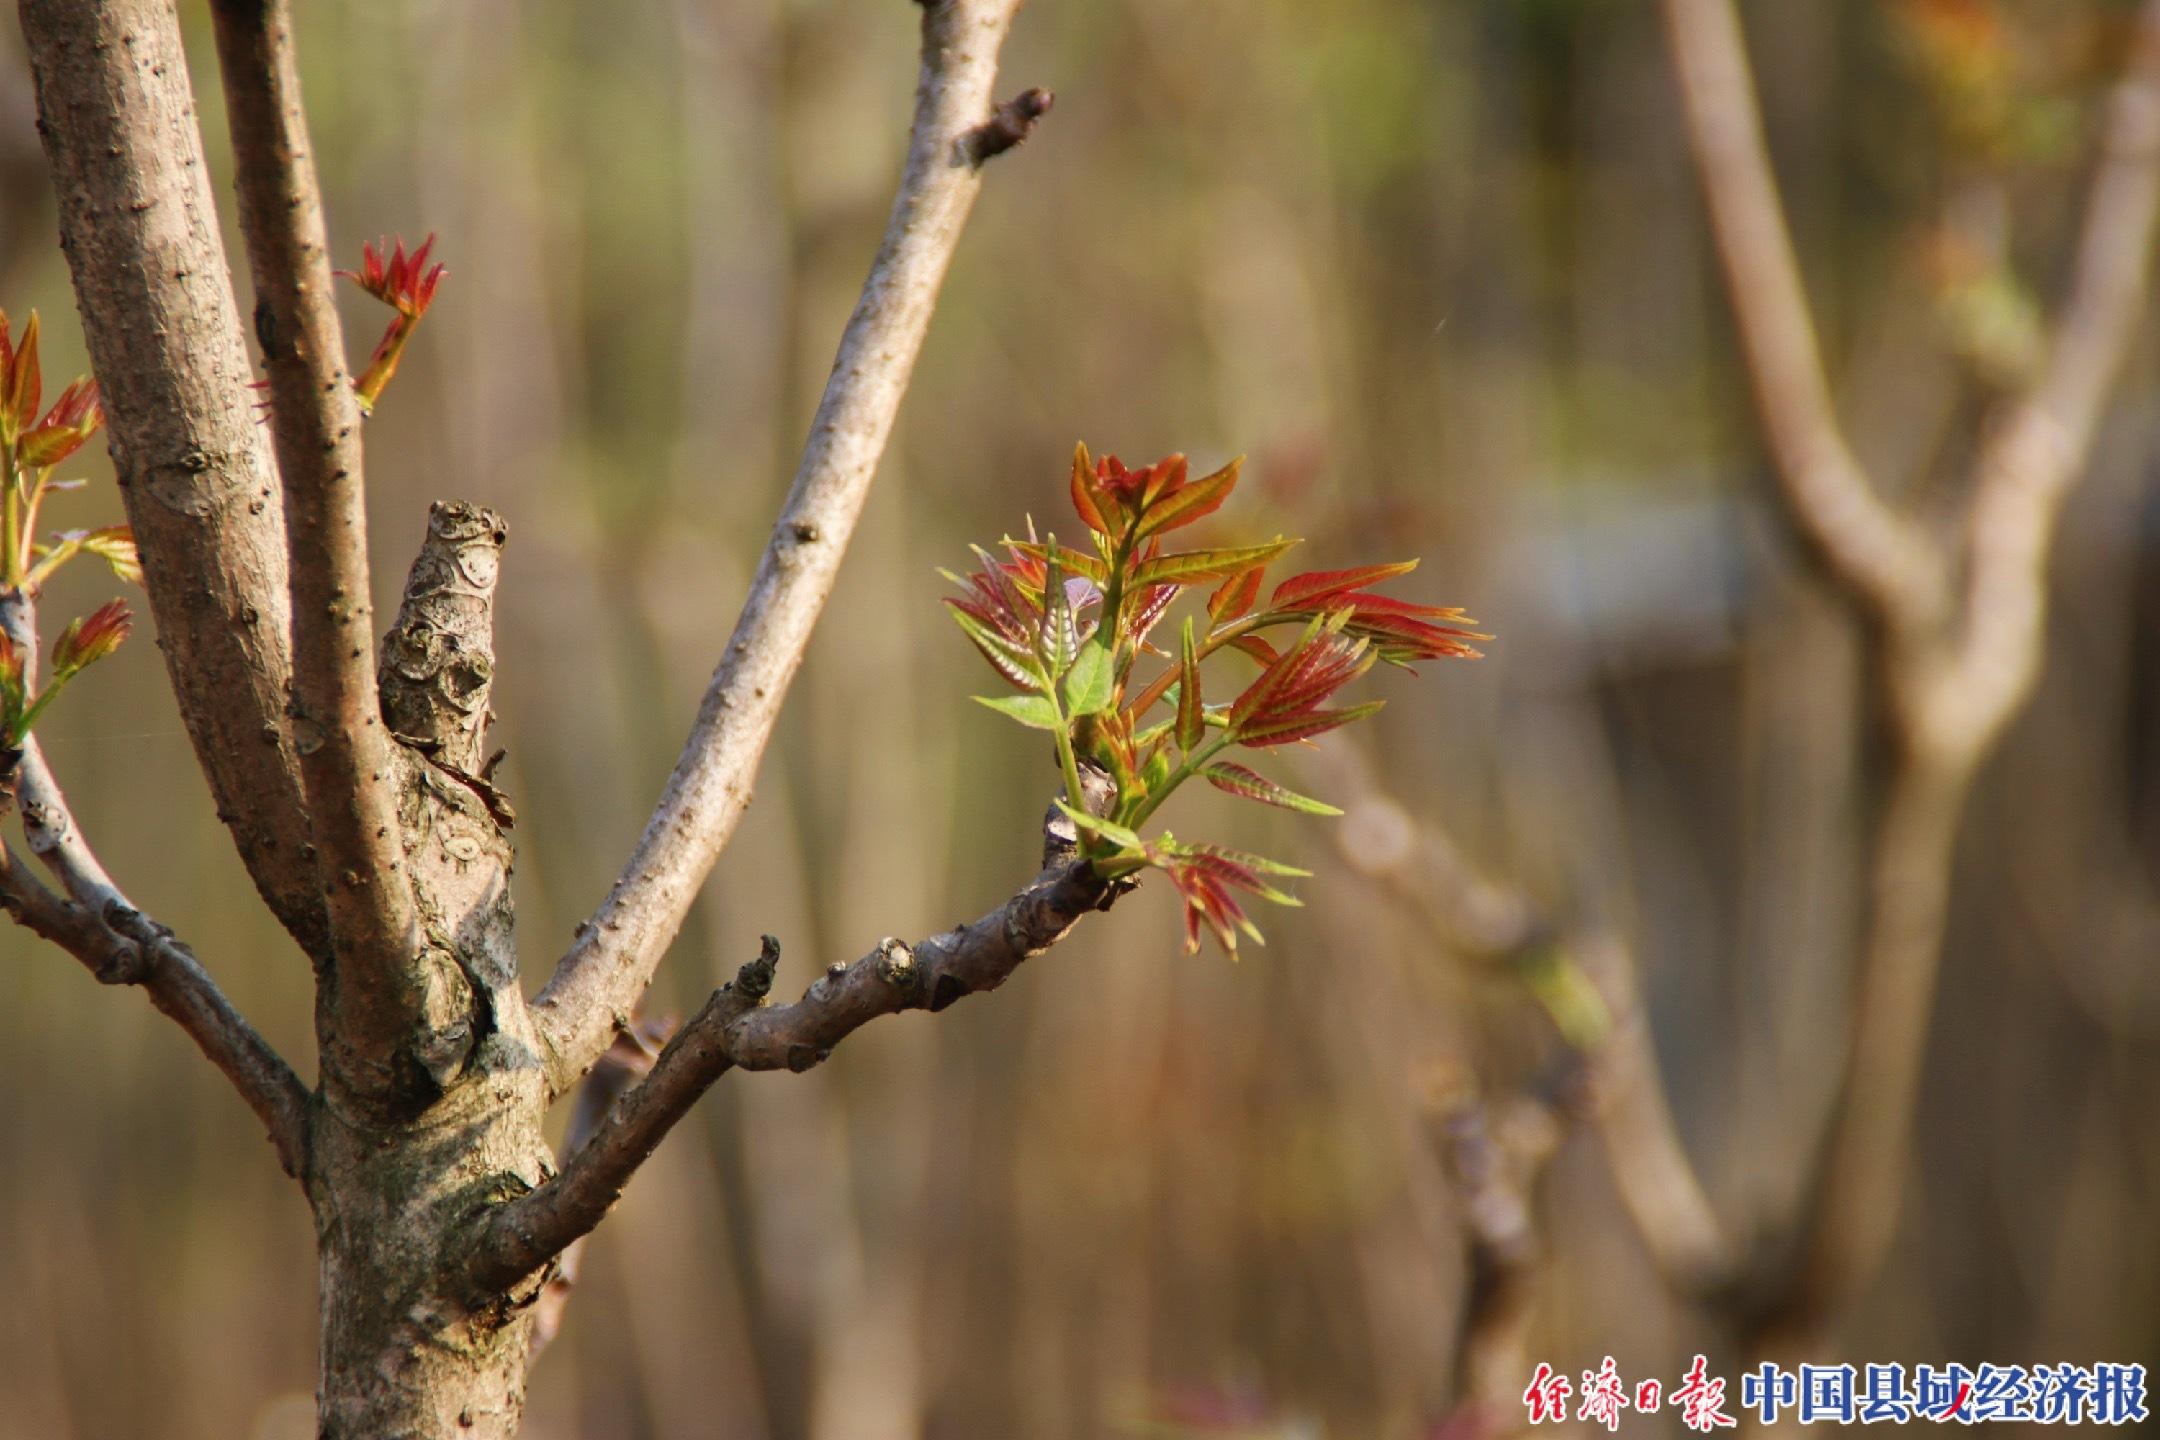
x: 405, y: 1165
x: 404, y: 1357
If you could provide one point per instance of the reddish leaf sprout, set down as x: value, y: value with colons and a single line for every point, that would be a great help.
x: 1067, y: 628
x: 407, y: 285
x: 31, y: 447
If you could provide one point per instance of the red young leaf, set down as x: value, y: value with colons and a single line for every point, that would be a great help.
x: 1184, y: 504
x: 1083, y: 493
x: 1304, y: 725
x: 1191, y: 718
x: 22, y: 386
x: 1315, y: 586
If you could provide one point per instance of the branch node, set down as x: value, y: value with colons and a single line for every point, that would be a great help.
x: 896, y: 964
x: 755, y: 980
x: 1008, y: 125
x: 948, y: 989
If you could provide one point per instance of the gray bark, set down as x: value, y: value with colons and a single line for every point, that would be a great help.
x: 421, y: 1149
x: 140, y: 230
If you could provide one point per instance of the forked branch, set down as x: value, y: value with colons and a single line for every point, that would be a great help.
x: 1957, y: 666
x: 736, y: 1030
x: 601, y: 978
x: 1872, y: 550
x: 344, y: 750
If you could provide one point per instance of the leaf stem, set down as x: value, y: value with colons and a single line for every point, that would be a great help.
x: 1191, y: 765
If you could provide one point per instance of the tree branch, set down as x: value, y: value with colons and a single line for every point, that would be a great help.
x: 1629, y: 1104
x: 120, y: 945
x: 1950, y: 690
x: 2028, y: 464
x: 736, y: 1030
x: 598, y: 983
x: 1874, y: 552
x: 346, y: 766
x: 140, y: 230
x: 1495, y: 1154
x: 627, y: 1061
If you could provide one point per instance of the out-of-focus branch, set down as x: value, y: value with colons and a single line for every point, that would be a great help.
x: 1495, y: 1152
x: 736, y: 1030
x: 119, y: 944
x: 1626, y: 1098
x: 2030, y: 461
x: 1872, y: 550
x: 627, y: 1061
x: 599, y: 981
x: 140, y: 231
x: 345, y: 752
x: 1955, y: 670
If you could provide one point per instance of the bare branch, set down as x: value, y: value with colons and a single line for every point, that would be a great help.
x: 119, y: 944
x: 1495, y: 1153
x: 345, y: 751
x: 1629, y: 1104
x: 1872, y: 550
x: 599, y: 981
x: 1948, y: 711
x: 628, y: 1060
x: 1849, y: 1212
x: 736, y: 1030
x: 140, y: 231
x: 2030, y: 462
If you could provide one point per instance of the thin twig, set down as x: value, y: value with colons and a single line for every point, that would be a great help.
x: 346, y: 763
x: 601, y: 978
x: 1874, y: 551
x: 735, y: 1030
x: 120, y: 945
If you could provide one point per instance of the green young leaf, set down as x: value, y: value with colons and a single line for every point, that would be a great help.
x: 1034, y: 711
x: 1091, y: 684
x: 1156, y: 772
x: 1251, y: 784
x: 1009, y: 658
x: 1109, y: 830
x: 1191, y: 716
x: 1189, y: 567
x: 115, y: 544
x: 1060, y: 631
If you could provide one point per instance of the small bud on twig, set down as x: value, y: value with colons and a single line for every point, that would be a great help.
x: 1008, y: 125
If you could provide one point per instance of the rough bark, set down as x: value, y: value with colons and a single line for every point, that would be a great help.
x: 426, y: 1129
x: 402, y: 1174
x: 346, y: 772
x: 140, y: 230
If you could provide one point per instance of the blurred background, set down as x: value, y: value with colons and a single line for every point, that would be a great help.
x: 1440, y: 270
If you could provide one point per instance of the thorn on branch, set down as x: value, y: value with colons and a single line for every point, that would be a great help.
x: 1008, y: 125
